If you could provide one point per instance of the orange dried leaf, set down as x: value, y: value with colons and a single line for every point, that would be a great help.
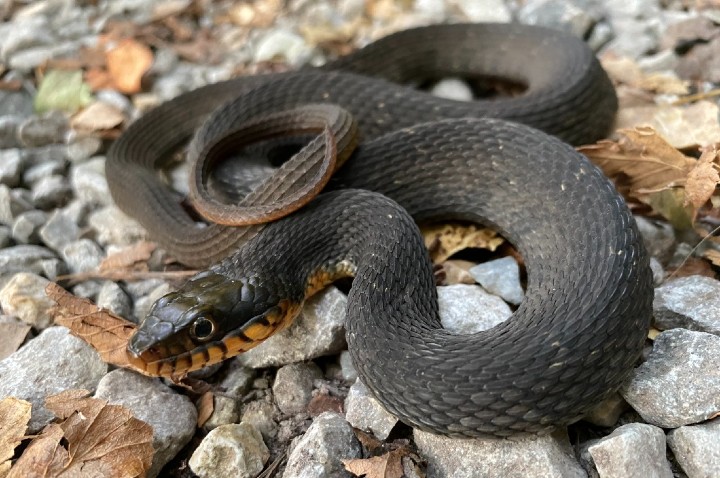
x: 98, y: 116
x: 128, y: 256
x: 702, y: 179
x: 713, y: 256
x: 205, y: 406
x: 388, y: 465
x: 95, y: 439
x: 104, y: 331
x: 127, y: 63
x: 444, y: 240
x: 14, y: 417
x: 648, y: 161
x: 13, y: 335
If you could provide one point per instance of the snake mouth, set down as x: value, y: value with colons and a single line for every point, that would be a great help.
x: 178, y: 355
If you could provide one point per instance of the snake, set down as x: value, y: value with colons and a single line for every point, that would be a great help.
x: 405, y: 157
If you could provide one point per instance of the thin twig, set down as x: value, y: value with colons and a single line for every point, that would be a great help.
x: 118, y: 275
x: 695, y: 97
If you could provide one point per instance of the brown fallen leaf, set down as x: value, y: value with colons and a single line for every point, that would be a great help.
x: 128, y: 257
x: 94, y: 439
x: 692, y: 266
x: 105, y: 332
x: 713, y: 256
x: 13, y: 334
x: 97, y: 116
x: 388, y: 465
x: 444, y: 240
x: 205, y: 407
x: 14, y: 417
x: 702, y: 179
x: 681, y: 126
x: 127, y: 63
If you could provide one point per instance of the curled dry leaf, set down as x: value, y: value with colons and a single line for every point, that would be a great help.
x: 702, y: 179
x: 388, y: 465
x: 94, y: 439
x: 646, y: 167
x: 713, y: 256
x: 98, y: 116
x: 129, y: 257
x: 104, y: 331
x: 444, y: 240
x: 127, y: 63
x: 14, y: 418
x: 205, y: 407
x: 13, y: 334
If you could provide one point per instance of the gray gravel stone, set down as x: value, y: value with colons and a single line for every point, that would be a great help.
x: 172, y: 416
x: 465, y: 309
x: 230, y: 450
x: 82, y: 255
x: 452, y: 89
x: 318, y: 330
x: 25, y: 258
x: 51, y: 191
x: 5, y: 236
x: 114, y: 299
x: 58, y: 231
x: 691, y: 303
x: 678, y: 384
x: 547, y: 456
x: 500, y: 277
x: 237, y: 380
x: 226, y: 410
x: 636, y: 449
x: 570, y: 16
x: 9, y: 125
x: 318, y: 453
x: 658, y: 236
x: 24, y: 297
x: 11, y: 167
x: 52, y: 362
x: 260, y: 414
x: 13, y: 202
x: 89, y: 183
x: 114, y: 227
x: 293, y: 386
x: 607, y: 413
x: 485, y: 11
x: 697, y: 448
x: 363, y: 411
x: 24, y: 33
x: 26, y: 226
x: 83, y: 148
x: 50, y: 128
x: 347, y: 369
x: 39, y: 169
x: 282, y: 43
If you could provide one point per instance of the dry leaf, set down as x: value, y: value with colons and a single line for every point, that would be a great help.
x: 13, y: 334
x: 644, y: 157
x: 702, y: 179
x: 713, y: 256
x: 205, y: 407
x: 444, y: 240
x: 98, y: 116
x: 670, y: 204
x: 681, y: 126
x: 94, y: 439
x: 128, y: 257
x: 127, y: 63
x: 692, y: 266
x: 14, y: 417
x: 104, y: 331
x: 626, y: 71
x: 388, y: 465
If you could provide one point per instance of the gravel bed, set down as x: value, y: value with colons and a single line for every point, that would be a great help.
x: 295, y: 399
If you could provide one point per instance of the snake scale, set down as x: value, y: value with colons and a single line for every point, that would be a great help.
x: 587, y: 308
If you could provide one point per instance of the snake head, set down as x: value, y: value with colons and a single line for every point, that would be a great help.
x: 207, y: 320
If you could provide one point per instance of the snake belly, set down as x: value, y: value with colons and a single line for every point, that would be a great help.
x: 585, y: 315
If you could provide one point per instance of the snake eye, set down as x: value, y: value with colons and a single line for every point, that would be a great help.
x: 202, y: 328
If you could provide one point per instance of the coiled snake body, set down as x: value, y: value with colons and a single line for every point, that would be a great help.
x: 585, y: 315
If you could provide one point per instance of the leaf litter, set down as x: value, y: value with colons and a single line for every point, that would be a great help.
x: 92, y: 438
